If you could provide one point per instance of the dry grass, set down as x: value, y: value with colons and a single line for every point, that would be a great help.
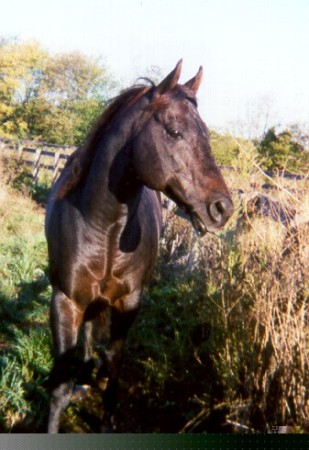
x: 259, y: 283
x: 275, y: 265
x: 256, y: 281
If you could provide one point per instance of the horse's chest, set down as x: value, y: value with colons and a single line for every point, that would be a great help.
x: 110, y: 274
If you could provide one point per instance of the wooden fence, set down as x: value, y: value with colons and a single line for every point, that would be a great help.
x: 52, y: 157
x: 38, y: 155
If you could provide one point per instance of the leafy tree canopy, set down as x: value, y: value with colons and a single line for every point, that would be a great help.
x: 49, y: 97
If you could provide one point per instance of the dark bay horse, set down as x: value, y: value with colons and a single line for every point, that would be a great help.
x: 104, y: 217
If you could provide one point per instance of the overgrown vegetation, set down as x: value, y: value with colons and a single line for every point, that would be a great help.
x: 221, y: 342
x: 230, y: 314
x: 285, y: 150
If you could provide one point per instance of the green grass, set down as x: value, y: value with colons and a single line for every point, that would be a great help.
x: 25, y: 354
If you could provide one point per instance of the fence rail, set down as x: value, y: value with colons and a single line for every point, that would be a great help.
x: 38, y: 155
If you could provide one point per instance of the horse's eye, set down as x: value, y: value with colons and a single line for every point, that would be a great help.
x: 174, y: 133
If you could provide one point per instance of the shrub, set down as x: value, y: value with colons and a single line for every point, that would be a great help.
x: 281, y: 151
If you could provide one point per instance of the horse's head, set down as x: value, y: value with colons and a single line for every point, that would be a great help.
x: 172, y: 154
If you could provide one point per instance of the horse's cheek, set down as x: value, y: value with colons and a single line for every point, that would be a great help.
x: 148, y: 166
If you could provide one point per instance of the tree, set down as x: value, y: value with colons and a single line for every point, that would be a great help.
x: 49, y: 97
x: 280, y: 151
x: 21, y: 68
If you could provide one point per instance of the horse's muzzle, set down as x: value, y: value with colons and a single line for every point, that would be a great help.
x: 214, y: 216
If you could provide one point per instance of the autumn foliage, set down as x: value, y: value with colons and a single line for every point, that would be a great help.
x: 49, y: 97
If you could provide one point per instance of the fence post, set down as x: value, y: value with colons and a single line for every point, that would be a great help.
x: 39, y: 156
x: 37, y: 163
x: 20, y: 149
x: 56, y: 163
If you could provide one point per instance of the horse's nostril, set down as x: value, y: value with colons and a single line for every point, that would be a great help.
x: 220, y: 207
x: 220, y: 211
x: 216, y: 210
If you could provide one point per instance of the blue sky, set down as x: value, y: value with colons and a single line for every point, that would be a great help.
x: 254, y: 52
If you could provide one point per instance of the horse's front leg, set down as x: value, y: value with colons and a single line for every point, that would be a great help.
x: 119, y: 327
x: 65, y: 320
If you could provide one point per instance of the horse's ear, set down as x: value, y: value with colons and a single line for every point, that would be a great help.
x: 195, y: 82
x: 171, y: 80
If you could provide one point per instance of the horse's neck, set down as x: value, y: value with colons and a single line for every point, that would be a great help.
x: 105, y: 194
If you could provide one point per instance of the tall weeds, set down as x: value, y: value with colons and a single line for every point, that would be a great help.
x: 246, y: 299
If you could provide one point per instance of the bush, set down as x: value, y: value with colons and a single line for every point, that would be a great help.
x: 280, y: 151
x: 224, y: 148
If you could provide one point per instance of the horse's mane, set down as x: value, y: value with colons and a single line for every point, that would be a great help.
x: 79, y: 162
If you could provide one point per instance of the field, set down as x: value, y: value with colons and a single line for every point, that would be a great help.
x: 221, y: 342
